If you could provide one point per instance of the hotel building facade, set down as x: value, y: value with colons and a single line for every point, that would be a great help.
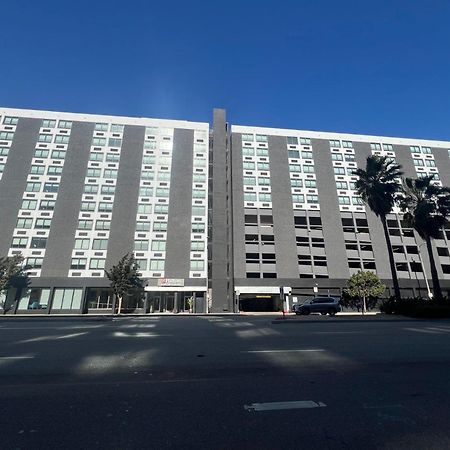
x: 217, y: 217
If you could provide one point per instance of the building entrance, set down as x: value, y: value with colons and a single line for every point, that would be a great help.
x: 259, y: 303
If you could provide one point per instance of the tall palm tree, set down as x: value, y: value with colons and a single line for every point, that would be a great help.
x: 379, y: 186
x: 426, y: 207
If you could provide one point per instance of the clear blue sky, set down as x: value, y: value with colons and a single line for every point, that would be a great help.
x: 378, y: 67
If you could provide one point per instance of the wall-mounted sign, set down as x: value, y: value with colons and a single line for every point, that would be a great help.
x: 166, y: 282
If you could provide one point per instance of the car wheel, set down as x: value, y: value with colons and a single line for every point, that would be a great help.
x: 306, y: 311
x: 298, y: 314
x: 332, y: 312
x: 323, y: 313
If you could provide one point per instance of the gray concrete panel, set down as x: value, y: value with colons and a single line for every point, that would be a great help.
x: 404, y: 158
x: 282, y: 210
x: 221, y: 283
x: 65, y: 216
x: 180, y: 206
x: 329, y: 210
x: 13, y: 182
x: 238, y: 206
x: 123, y: 221
x: 442, y: 159
x: 362, y: 151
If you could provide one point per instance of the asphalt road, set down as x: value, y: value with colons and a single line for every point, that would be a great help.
x: 217, y: 383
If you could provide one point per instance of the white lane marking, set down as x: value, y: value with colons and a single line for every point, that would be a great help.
x: 16, y: 357
x: 285, y: 351
x: 273, y: 406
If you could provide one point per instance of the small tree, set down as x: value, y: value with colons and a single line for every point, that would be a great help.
x: 12, y: 273
x: 364, y: 284
x: 125, y: 278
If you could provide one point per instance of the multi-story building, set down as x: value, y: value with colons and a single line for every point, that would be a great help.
x: 218, y: 219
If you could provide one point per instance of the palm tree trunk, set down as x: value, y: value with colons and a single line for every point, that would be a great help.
x: 434, y: 275
x: 364, y: 305
x: 391, y: 259
x: 119, y: 309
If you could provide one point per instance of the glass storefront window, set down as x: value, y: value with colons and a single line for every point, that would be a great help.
x: 67, y: 299
x: 34, y: 299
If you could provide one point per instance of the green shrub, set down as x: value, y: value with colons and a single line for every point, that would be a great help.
x: 416, y: 307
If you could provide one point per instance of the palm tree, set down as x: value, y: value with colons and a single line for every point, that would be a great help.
x: 379, y: 186
x: 426, y: 207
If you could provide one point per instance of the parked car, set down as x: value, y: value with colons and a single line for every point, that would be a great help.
x: 322, y: 305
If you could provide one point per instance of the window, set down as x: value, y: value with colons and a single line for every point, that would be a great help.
x: 142, y: 226
x: 262, y: 166
x: 90, y: 188
x: 45, y: 138
x: 108, y: 189
x: 145, y: 191
x: 198, y: 228
x: 262, y: 152
x: 159, y: 226
x: 114, y: 142
x: 310, y: 183
x: 199, y: 178
x: 103, y: 225
x: 33, y: 187
x: 101, y: 127
x: 61, y: 139
x: 292, y: 140
x: 159, y: 246
x: 350, y: 158
x: 100, y: 244
x: 42, y: 224
x: 97, y: 264
x: 344, y: 200
x: 78, y: 263
x: 38, y: 242
x: 6, y: 135
x: 347, y: 144
x: 298, y: 198
x: 29, y: 204
x: 156, y: 264
x: 19, y: 242
x: 82, y: 244
x: 147, y: 175
x: 148, y: 159
x: 339, y: 170
x: 307, y: 155
x: 198, y: 193
x: 115, y: 128
x: 162, y: 192
x: 54, y: 170
x: 47, y: 205
x: 93, y: 173
x: 24, y: 223
x: 295, y: 168
x: 51, y: 187
x: 35, y: 263
x: 144, y: 208
x: 375, y: 146
x: 248, y: 151
x: 418, y: 162
x: 357, y: 201
x: 197, y: 264
x: 312, y: 199
x: 197, y: 246
x: 295, y: 182
x: 58, y: 154
x: 105, y: 207
x: 198, y: 210
x: 38, y: 153
x: 430, y: 163
x: 85, y: 224
x: 247, y: 165
x: 110, y: 173
x: 95, y: 156
x: 388, y: 147
x: 336, y: 157
x: 341, y: 185
x: 335, y: 143
x: 163, y: 176
x: 140, y: 245
x: 250, y: 196
x: 112, y: 157
x: 426, y: 150
x: 48, y: 123
x: 261, y: 138
x: 65, y: 124
x: 263, y: 181
x: 161, y: 209
x: 414, y: 149
x: 10, y: 120
x: 98, y: 141
x: 308, y: 169
x: 87, y: 206
x: 305, y: 141
x: 37, y: 170
x: 248, y: 137
x: 264, y: 197
x: 293, y: 154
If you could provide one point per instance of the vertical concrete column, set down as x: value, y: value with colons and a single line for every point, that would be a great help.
x: 221, y: 282
x: 65, y: 216
x: 14, y: 180
x: 180, y: 206
x: 123, y: 222
x: 282, y: 209
x: 329, y: 210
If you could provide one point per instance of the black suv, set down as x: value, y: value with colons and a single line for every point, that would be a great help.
x: 322, y: 305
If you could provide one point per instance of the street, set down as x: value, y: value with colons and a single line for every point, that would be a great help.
x: 224, y: 382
